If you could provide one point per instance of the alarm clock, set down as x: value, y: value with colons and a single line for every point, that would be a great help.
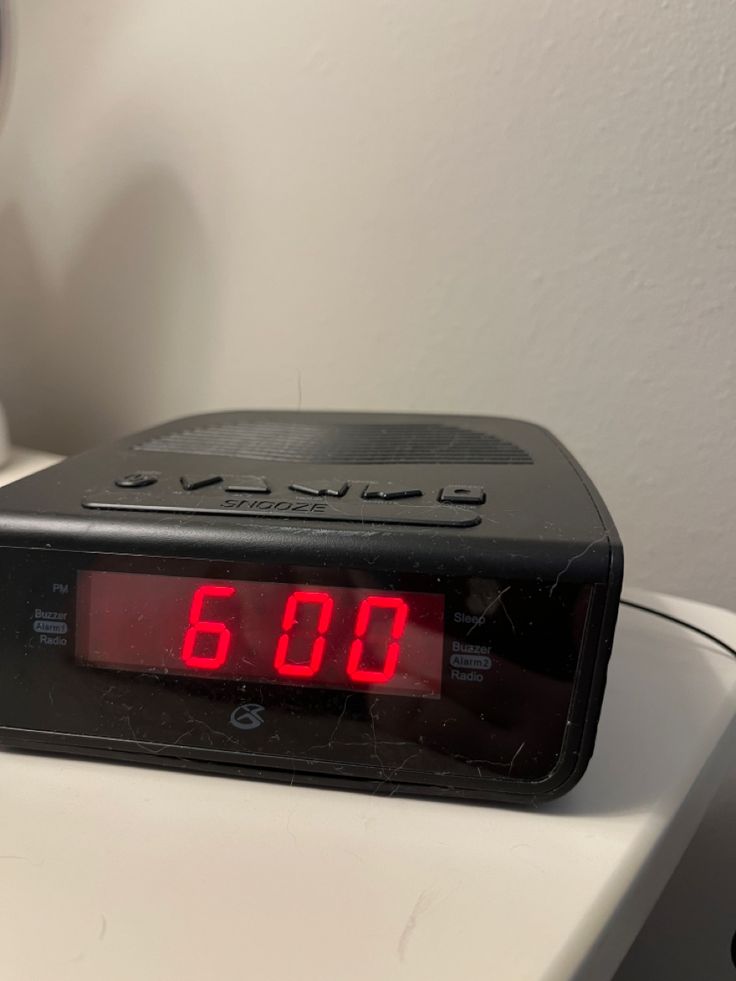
x: 408, y: 604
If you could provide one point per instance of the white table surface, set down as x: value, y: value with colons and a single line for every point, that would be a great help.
x: 114, y: 872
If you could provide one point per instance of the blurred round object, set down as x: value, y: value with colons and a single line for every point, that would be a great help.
x: 4, y: 439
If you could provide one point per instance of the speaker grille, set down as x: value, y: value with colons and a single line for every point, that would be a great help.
x: 295, y: 442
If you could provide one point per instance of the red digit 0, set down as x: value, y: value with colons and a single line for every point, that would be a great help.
x: 197, y: 627
x: 311, y: 667
x: 401, y: 612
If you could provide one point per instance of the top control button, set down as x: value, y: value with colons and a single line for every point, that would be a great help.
x: 196, y: 483
x: 322, y: 488
x: 141, y: 478
x: 247, y: 508
x: 462, y: 494
x: 389, y: 492
x: 246, y: 485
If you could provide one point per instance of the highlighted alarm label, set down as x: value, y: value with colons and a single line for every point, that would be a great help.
x: 50, y: 627
x: 477, y: 661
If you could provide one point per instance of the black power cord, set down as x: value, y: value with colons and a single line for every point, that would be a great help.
x: 682, y: 623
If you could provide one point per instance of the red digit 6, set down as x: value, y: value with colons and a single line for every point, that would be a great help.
x: 197, y: 626
x: 317, y: 651
x: 401, y: 612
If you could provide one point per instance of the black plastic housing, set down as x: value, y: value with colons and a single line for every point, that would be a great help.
x: 539, y: 557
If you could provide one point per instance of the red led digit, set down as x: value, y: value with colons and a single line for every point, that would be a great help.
x: 198, y: 627
x: 391, y: 660
x: 312, y: 666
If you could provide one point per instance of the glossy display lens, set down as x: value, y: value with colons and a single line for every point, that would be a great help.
x: 278, y: 633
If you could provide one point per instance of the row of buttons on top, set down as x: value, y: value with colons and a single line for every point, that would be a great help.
x: 373, y: 491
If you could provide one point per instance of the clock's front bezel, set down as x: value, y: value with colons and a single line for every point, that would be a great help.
x: 517, y: 734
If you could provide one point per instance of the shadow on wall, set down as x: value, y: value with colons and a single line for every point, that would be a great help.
x: 122, y: 335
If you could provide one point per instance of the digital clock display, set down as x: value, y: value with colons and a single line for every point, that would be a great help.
x: 339, y: 637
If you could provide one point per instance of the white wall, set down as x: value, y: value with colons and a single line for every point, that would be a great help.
x: 525, y: 208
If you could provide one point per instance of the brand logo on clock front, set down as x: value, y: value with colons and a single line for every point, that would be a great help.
x: 248, y: 716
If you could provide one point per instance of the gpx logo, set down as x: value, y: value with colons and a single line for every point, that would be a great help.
x: 247, y: 716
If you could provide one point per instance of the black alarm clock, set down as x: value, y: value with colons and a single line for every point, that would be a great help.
x: 393, y: 603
